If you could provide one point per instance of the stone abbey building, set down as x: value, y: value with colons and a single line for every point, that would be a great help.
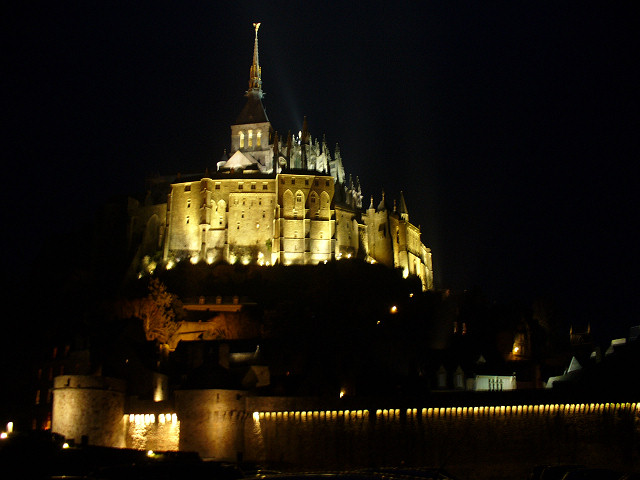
x: 275, y: 200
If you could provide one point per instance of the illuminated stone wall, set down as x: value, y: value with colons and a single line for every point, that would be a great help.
x: 474, y: 442
x: 88, y: 406
x: 159, y: 432
x: 291, y: 219
x: 471, y: 442
x: 211, y: 422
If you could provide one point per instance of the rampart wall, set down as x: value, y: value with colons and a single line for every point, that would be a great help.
x: 470, y: 442
x: 472, y: 437
x: 89, y: 409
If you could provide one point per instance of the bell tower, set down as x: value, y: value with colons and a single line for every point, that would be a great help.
x: 251, y: 133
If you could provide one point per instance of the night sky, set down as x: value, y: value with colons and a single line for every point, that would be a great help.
x: 511, y: 127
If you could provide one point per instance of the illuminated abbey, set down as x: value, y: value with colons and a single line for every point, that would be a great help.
x: 277, y: 200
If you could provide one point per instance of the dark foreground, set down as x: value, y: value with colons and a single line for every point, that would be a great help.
x: 44, y: 456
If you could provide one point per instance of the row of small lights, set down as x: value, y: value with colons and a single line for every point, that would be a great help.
x: 316, y: 414
x: 569, y: 408
x: 149, y: 418
x: 245, y: 261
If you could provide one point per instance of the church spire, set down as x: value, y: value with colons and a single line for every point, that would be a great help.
x: 255, y: 73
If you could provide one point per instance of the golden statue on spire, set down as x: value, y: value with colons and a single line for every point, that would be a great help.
x: 255, y: 77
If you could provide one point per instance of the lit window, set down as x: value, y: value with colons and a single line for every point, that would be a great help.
x: 259, y: 138
x: 241, y: 140
x: 250, y: 142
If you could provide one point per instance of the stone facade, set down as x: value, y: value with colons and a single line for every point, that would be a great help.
x: 231, y: 425
x: 89, y: 408
x: 275, y: 200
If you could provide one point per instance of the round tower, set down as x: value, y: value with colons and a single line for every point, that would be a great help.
x: 212, y: 422
x: 89, y: 409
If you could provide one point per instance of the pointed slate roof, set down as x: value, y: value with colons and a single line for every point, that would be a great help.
x: 253, y: 111
x: 403, y: 205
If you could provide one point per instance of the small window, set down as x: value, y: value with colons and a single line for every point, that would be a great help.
x: 240, y: 186
x: 241, y: 140
x: 187, y: 218
x: 189, y: 203
x: 259, y: 138
x: 187, y: 188
x: 253, y: 186
x: 306, y: 181
x: 327, y: 183
x: 264, y: 186
x: 217, y: 186
x: 250, y: 138
x: 293, y: 181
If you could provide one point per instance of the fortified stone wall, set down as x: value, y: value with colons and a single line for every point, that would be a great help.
x: 470, y: 442
x: 90, y: 407
x: 212, y: 422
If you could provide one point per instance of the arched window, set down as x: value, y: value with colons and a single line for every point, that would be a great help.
x: 250, y: 138
x: 324, y: 205
x: 299, y: 206
x: 287, y: 203
x: 241, y: 139
x: 313, y: 205
x: 259, y: 138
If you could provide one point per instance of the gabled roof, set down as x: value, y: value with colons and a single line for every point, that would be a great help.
x: 240, y: 160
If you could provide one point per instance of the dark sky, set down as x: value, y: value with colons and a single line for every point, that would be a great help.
x: 511, y: 127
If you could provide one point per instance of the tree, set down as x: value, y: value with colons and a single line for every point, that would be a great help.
x: 157, y: 312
